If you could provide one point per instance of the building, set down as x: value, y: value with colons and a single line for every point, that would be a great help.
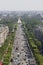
x: 40, y: 28
x: 0, y: 63
x: 19, y: 21
x: 3, y: 33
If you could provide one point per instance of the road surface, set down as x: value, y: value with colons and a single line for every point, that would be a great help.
x: 21, y: 52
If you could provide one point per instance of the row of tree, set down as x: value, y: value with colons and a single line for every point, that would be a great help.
x: 29, y: 25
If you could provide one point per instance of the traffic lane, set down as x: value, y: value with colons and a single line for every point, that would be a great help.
x: 22, y: 56
x: 22, y: 49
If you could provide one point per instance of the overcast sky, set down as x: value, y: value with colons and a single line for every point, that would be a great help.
x: 21, y: 4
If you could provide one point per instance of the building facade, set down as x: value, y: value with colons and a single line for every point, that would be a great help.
x: 4, y: 30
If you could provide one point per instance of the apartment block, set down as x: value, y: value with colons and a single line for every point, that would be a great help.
x: 4, y: 30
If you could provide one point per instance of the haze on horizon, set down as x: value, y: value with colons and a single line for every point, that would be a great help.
x: 22, y: 5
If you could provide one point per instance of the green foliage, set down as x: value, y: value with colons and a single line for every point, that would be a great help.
x: 7, y: 47
x: 34, y: 44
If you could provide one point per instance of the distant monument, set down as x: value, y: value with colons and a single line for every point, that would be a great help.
x: 19, y: 21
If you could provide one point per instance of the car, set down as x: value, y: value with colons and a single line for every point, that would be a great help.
x: 18, y: 64
x: 16, y: 48
x: 11, y: 60
x: 18, y: 54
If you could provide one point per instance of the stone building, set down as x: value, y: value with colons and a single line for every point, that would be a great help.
x: 19, y: 21
x: 3, y: 33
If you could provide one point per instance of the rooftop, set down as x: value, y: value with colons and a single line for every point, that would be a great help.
x: 2, y: 27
